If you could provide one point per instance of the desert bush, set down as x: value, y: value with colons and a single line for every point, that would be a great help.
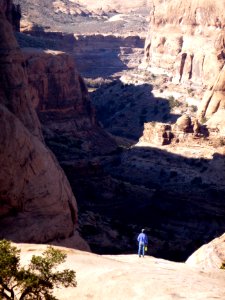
x: 194, y: 108
x: 173, y: 102
x: 221, y: 142
x: 37, y: 280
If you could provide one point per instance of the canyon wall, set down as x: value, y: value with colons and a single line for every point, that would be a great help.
x: 37, y: 203
x: 12, y: 12
x: 186, y: 41
x: 104, y: 55
x: 62, y: 102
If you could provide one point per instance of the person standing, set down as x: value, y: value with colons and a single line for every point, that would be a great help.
x: 142, y: 243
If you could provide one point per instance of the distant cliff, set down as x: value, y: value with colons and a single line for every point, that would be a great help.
x: 63, y: 105
x: 186, y: 40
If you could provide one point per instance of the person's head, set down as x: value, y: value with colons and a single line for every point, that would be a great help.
x: 142, y: 230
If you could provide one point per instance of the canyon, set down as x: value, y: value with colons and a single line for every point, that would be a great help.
x: 135, y: 162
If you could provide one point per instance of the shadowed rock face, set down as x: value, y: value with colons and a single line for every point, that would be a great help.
x: 13, y: 85
x: 62, y: 102
x: 36, y: 201
x: 12, y: 13
x: 186, y: 40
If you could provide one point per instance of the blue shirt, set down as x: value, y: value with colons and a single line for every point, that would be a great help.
x: 142, y: 238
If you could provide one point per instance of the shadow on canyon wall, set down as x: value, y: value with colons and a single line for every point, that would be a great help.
x: 95, y: 55
x: 173, y: 197
x: 124, y: 108
x: 178, y: 200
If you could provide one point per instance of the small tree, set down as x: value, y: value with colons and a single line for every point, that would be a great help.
x: 37, y: 280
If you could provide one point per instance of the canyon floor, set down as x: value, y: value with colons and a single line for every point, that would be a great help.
x: 120, y: 277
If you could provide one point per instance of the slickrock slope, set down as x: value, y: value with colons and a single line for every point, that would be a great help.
x: 37, y: 204
x: 209, y: 256
x: 186, y: 41
x: 130, y: 277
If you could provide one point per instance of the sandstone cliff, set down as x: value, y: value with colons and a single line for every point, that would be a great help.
x: 37, y: 203
x: 12, y: 13
x: 61, y: 99
x: 186, y: 41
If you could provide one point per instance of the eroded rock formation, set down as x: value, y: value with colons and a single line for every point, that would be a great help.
x: 12, y: 13
x: 37, y: 204
x: 209, y: 256
x: 186, y: 41
x: 63, y: 105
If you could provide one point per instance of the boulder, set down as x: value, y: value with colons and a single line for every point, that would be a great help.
x: 157, y: 133
x: 184, y: 123
x: 209, y: 256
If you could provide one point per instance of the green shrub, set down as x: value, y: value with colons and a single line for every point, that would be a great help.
x: 37, y: 280
x: 204, y: 120
x: 173, y: 102
x: 194, y: 108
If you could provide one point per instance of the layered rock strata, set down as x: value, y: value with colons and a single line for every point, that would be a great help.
x: 37, y: 204
x: 111, y: 54
x: 61, y: 99
x: 186, y: 41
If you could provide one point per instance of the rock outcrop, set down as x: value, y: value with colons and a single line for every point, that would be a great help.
x: 216, y: 123
x: 186, y: 41
x: 37, y: 203
x: 209, y: 256
x: 103, y: 55
x: 12, y: 13
x: 61, y: 99
x: 214, y: 98
x: 157, y: 133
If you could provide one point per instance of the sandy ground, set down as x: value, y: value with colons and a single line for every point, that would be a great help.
x: 120, y: 277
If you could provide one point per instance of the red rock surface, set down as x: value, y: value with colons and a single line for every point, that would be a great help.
x: 62, y: 101
x: 37, y: 204
x: 13, y: 85
x: 186, y: 40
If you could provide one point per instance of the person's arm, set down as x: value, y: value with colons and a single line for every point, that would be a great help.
x: 146, y: 240
x: 138, y: 238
